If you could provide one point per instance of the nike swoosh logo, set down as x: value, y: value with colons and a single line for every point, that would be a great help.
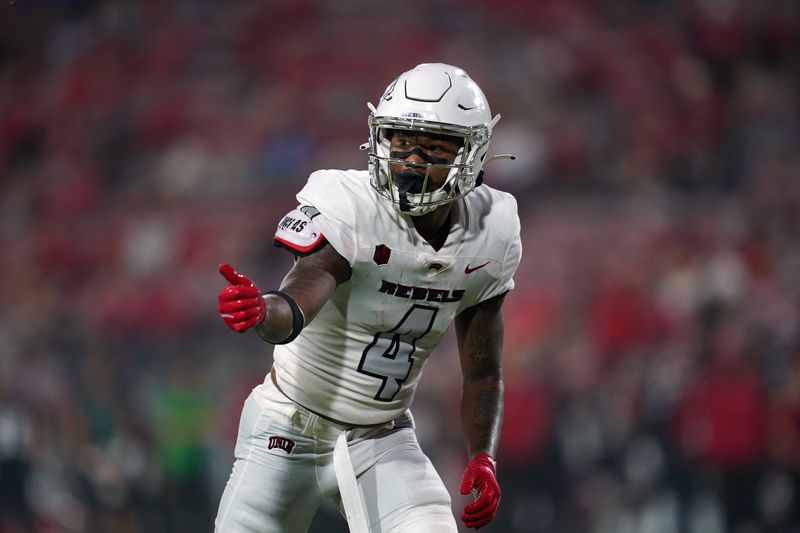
x: 469, y: 270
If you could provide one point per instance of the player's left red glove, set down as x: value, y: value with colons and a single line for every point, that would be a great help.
x: 480, y: 479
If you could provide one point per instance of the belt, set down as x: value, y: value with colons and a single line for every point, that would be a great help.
x: 341, y: 425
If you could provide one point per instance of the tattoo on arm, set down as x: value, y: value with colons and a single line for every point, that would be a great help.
x: 310, y: 283
x: 485, y: 407
x: 484, y: 346
x: 480, y: 338
x: 313, y: 278
x: 486, y: 420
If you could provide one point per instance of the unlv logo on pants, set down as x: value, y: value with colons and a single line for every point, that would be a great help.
x: 282, y: 443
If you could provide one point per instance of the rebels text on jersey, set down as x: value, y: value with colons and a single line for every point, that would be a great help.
x: 359, y: 361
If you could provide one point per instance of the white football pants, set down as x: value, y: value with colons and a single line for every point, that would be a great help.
x: 285, y: 466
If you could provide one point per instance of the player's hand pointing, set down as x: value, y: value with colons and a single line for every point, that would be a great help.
x: 479, y: 478
x: 240, y: 303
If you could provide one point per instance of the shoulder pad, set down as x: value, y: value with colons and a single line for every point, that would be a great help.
x: 297, y: 232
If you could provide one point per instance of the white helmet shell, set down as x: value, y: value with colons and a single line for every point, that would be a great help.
x: 432, y: 98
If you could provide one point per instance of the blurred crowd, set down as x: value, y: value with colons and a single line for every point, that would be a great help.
x: 653, y: 340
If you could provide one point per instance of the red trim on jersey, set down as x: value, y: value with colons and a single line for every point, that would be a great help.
x: 301, y: 249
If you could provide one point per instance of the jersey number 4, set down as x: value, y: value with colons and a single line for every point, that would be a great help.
x: 389, y: 356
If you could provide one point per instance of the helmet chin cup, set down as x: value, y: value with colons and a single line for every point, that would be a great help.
x: 433, y: 99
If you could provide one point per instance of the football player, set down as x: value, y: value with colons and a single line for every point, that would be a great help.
x: 387, y: 259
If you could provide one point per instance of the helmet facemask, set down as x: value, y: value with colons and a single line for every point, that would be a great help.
x: 411, y: 191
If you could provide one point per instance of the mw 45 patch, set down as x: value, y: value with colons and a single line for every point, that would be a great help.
x: 297, y: 232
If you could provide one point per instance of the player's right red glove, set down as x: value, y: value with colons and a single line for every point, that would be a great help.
x: 240, y: 303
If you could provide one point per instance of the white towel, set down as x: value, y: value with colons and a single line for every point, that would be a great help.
x: 348, y: 487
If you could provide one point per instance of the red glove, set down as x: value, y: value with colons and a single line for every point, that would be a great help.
x: 479, y: 478
x: 240, y: 303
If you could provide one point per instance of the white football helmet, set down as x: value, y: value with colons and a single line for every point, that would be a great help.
x: 431, y: 98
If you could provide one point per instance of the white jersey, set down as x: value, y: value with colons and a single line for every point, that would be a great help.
x: 359, y: 361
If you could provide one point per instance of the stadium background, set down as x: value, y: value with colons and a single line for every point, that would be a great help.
x: 653, y: 341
